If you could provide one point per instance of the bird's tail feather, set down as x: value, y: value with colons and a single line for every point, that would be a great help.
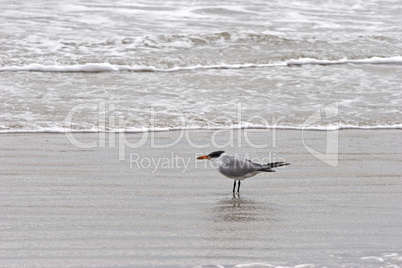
x: 276, y: 164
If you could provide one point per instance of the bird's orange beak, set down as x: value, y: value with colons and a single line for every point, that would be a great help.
x: 204, y: 157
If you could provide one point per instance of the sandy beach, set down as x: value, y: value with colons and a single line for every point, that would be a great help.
x: 110, y: 205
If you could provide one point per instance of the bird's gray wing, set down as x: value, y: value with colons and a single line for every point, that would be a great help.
x: 234, y: 167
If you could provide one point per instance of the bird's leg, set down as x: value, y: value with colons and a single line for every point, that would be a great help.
x: 238, y: 187
x: 234, y: 186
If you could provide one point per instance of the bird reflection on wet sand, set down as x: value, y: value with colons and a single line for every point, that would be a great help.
x: 238, y: 209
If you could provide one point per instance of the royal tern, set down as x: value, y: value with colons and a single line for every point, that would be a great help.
x: 239, y: 169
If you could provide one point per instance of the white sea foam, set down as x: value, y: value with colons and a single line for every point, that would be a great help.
x: 89, y: 67
x: 106, y: 67
x: 373, y: 60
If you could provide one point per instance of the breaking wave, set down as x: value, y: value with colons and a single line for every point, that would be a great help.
x: 107, y: 67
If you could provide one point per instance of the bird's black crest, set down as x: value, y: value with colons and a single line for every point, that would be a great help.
x: 216, y: 154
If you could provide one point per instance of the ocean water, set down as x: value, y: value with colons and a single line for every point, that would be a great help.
x: 162, y: 65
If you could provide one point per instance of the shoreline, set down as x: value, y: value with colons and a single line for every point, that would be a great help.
x: 230, y: 128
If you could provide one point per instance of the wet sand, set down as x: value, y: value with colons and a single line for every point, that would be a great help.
x: 63, y: 205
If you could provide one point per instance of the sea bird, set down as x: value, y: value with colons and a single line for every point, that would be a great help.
x: 239, y: 169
